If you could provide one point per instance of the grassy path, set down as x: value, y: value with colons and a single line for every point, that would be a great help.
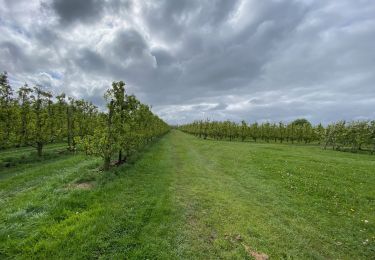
x: 186, y: 198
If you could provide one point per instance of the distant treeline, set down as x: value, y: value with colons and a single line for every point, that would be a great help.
x: 33, y: 117
x: 345, y: 136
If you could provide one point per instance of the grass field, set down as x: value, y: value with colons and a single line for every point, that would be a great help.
x: 186, y: 198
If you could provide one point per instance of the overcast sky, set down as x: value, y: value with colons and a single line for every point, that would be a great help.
x: 192, y: 59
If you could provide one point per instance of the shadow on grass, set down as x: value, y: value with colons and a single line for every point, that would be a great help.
x: 12, y: 161
x: 101, y: 177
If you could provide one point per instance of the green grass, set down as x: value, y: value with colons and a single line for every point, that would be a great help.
x: 186, y: 198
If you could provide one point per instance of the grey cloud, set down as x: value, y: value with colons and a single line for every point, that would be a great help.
x: 119, y: 5
x: 46, y: 37
x: 172, y: 19
x: 91, y: 61
x: 163, y: 57
x: 128, y: 44
x: 220, y: 106
x: 70, y: 11
x: 14, y: 57
x: 255, y: 101
x: 252, y: 60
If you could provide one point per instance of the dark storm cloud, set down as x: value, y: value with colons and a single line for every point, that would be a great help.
x: 91, y: 61
x: 163, y: 57
x: 224, y: 59
x: 128, y: 44
x: 70, y: 11
x: 175, y: 18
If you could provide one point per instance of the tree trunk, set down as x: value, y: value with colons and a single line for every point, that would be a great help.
x: 69, y: 128
x: 120, y: 156
x: 108, y: 154
x: 39, y: 149
x: 23, y: 131
x: 107, y: 163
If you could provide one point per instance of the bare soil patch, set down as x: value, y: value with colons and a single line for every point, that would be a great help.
x: 81, y: 186
x: 238, y: 239
x: 256, y: 255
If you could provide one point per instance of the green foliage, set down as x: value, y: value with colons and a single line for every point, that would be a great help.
x: 301, y: 122
x: 35, y: 119
x: 25, y: 108
x: 7, y: 113
x: 42, y: 121
x: 126, y: 128
x: 352, y: 136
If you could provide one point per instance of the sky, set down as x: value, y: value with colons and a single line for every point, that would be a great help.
x: 269, y: 60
